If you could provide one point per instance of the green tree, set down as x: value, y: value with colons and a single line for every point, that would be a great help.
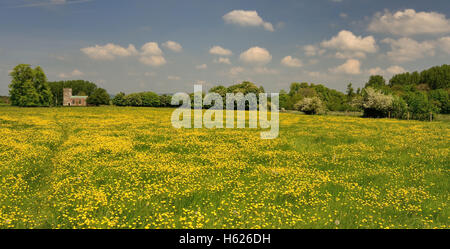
x: 150, y: 99
x: 376, y: 82
x: 165, y: 100
x: 119, y: 99
x: 29, y: 87
x: 99, y: 97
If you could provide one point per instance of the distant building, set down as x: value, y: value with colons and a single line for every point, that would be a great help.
x: 69, y: 100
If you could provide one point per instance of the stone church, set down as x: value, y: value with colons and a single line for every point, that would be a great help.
x: 69, y: 100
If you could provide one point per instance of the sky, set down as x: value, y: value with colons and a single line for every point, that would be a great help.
x: 168, y: 46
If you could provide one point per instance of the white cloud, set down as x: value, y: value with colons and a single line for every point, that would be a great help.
x: 347, y: 41
x: 174, y: 46
x: 388, y: 72
x: 407, y: 49
x: 171, y: 77
x: 409, y: 22
x: 109, y: 51
x: 218, y: 50
x: 290, y: 61
x: 152, y: 55
x: 223, y: 60
x: 74, y: 73
x: 153, y: 60
x: 247, y: 18
x: 312, y: 50
x: 202, y: 66
x: 444, y: 44
x: 236, y: 70
x: 351, y: 66
x: 395, y: 70
x: 256, y: 55
x: 151, y: 48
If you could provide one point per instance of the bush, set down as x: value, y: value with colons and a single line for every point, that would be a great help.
x: 310, y: 106
x: 99, y: 97
x: 420, y: 106
x: 133, y: 99
x: 119, y: 99
x: 399, y: 108
x: 165, y: 100
x: 150, y: 99
x: 376, y: 104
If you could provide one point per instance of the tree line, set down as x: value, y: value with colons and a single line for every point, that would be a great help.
x: 407, y: 95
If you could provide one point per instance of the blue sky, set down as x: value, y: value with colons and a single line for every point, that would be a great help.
x: 122, y: 45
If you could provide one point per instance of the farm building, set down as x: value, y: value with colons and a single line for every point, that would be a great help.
x: 69, y: 100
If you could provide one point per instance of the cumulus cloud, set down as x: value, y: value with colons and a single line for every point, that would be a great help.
x: 409, y: 22
x: 74, y: 73
x: 290, y: 61
x: 406, y: 49
x: 174, y: 46
x: 444, y: 44
x: 218, y: 50
x: 351, y: 66
x: 152, y: 55
x: 153, y: 60
x: 395, y: 70
x: 109, y: 51
x: 256, y: 55
x: 202, y: 66
x: 312, y: 50
x: 247, y: 18
x: 223, y: 60
x: 386, y: 72
x: 151, y: 48
x: 347, y: 41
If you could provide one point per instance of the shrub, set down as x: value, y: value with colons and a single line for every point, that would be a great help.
x: 119, y: 99
x: 376, y: 104
x: 99, y: 97
x: 310, y: 106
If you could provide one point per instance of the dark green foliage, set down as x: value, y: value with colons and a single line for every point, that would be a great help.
x: 376, y: 82
x: 29, y: 87
x: 332, y: 99
x: 399, y: 108
x: 119, y: 99
x: 436, y: 77
x: 79, y: 87
x: 98, y: 97
x: 440, y: 99
x: 419, y: 105
x: 150, y: 99
x: 165, y: 100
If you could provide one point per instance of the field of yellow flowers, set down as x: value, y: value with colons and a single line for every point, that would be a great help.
x: 111, y: 167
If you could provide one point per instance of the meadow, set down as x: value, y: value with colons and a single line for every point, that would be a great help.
x: 125, y: 167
